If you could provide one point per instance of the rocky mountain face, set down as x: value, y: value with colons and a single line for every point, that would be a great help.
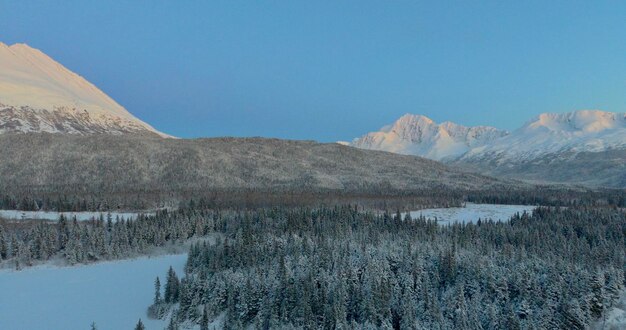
x: 37, y: 94
x: 583, y: 147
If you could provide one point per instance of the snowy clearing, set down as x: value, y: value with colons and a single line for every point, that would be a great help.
x: 472, y: 212
x: 615, y: 318
x: 54, y: 216
x: 112, y: 294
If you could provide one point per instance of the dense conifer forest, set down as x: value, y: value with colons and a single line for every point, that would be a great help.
x: 342, y: 267
x: 26, y: 243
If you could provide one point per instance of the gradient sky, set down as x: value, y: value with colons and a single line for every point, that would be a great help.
x: 333, y: 70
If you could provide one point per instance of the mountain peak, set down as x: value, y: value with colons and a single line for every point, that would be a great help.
x: 419, y: 135
x: 582, y: 121
x: 412, y: 119
x: 37, y: 94
x: 21, y: 45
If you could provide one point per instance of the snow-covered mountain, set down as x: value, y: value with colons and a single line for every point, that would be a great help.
x: 419, y: 135
x: 551, y: 133
x: 37, y: 94
x: 578, y: 131
x: 584, y: 147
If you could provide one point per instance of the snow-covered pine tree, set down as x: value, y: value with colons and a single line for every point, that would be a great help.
x: 597, y: 295
x: 157, y: 291
x: 204, y: 322
x: 171, y: 287
x: 4, y: 249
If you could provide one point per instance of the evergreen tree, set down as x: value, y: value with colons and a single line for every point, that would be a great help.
x: 4, y: 249
x: 171, y: 286
x: 204, y: 322
x: 15, y: 247
x: 140, y: 326
x: 173, y: 324
x: 157, y: 291
x: 597, y: 298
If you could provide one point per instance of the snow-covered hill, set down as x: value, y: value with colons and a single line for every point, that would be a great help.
x: 37, y: 94
x: 419, y: 135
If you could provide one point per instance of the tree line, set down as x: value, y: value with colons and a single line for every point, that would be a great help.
x: 23, y: 244
x: 67, y: 200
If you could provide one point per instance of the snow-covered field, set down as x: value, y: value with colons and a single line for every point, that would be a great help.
x: 114, y: 294
x: 54, y: 216
x: 472, y: 212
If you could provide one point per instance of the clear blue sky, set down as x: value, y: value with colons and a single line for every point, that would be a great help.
x: 333, y: 70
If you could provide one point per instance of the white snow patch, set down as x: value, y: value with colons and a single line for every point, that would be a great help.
x: 113, y: 294
x: 472, y: 212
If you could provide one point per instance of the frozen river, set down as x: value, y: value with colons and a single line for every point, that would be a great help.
x: 113, y: 294
x: 472, y: 212
x: 54, y: 216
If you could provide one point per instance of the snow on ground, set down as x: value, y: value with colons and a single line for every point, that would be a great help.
x: 54, y: 216
x: 615, y: 318
x: 113, y: 294
x: 472, y: 212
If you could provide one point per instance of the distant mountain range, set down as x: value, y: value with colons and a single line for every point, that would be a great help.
x: 37, y: 94
x: 584, y: 147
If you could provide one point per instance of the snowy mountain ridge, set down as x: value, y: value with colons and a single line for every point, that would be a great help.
x: 552, y: 133
x: 420, y: 135
x: 37, y: 94
x: 585, y: 147
x: 578, y: 131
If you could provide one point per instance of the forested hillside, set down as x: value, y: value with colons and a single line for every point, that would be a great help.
x: 107, y: 172
x: 139, y: 171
